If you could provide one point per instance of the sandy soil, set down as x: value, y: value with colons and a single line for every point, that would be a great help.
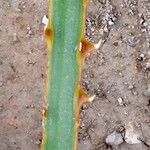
x: 118, y: 74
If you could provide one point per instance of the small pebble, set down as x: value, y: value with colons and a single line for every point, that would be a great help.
x: 28, y: 28
x: 147, y: 65
x: 45, y: 20
x: 135, y: 92
x: 114, y: 139
x: 15, y: 38
x: 110, y: 23
x: 142, y: 55
x: 120, y: 74
x: 131, y: 137
x: 38, y: 142
x: 24, y: 7
x: 30, y: 32
x: 130, y: 87
x: 120, y: 101
x: 106, y: 29
x: 18, y: 10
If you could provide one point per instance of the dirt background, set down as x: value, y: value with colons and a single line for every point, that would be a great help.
x: 118, y: 74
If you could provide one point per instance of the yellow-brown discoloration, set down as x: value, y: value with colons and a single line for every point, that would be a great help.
x: 86, y: 49
x: 83, y: 98
x: 86, y: 2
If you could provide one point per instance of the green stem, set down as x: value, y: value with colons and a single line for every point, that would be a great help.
x: 64, y: 33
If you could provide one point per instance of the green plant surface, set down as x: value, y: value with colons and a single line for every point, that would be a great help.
x: 66, y: 52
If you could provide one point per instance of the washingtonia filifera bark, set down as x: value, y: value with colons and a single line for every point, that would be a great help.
x: 67, y: 49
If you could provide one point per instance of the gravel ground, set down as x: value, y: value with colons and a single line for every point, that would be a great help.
x: 118, y: 74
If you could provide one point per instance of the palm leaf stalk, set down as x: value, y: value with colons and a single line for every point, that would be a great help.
x: 67, y: 49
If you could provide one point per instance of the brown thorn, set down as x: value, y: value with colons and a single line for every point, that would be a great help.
x: 48, y: 33
x: 85, y: 48
x: 84, y: 98
x: 45, y: 112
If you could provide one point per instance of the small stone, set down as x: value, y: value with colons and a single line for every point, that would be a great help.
x: 145, y: 24
x: 18, y: 10
x: 135, y: 92
x: 82, y: 124
x: 147, y: 65
x: 120, y: 101
x: 106, y: 29
x: 131, y: 137
x: 132, y: 27
x: 126, y: 113
x: 92, y: 29
x: 130, y: 87
x: 38, y: 142
x: 30, y: 32
x: 121, y: 74
x: 15, y: 38
x: 110, y: 23
x: 45, y: 20
x: 114, y: 139
x: 28, y: 28
x: 142, y: 55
